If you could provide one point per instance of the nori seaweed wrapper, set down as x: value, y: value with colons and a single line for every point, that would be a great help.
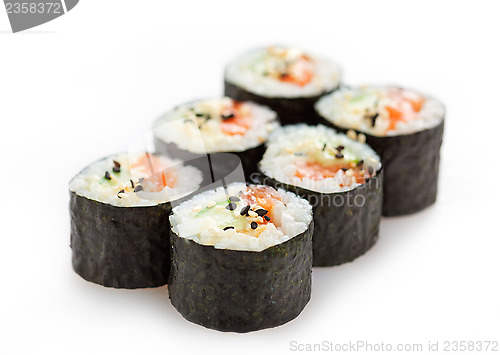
x: 241, y: 291
x: 121, y: 247
x: 346, y: 224
x: 215, y: 166
x: 289, y: 110
x: 411, y: 168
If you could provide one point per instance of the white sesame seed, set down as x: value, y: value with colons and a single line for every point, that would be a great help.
x: 252, y: 214
x: 197, y: 208
x: 361, y: 138
x: 219, y: 207
x: 351, y: 134
x: 211, y: 204
x: 349, y: 172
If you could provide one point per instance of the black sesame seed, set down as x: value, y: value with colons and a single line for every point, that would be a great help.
x: 226, y: 117
x: 116, y: 169
x: 138, y: 188
x: 116, y: 164
x: 228, y: 227
x: 366, y: 180
x: 370, y: 170
x: 132, y: 183
x: 361, y: 162
x: 345, y: 169
x: 107, y: 176
x: 340, y: 148
x: 233, y: 199
x: 254, y: 225
x: 120, y: 192
x: 231, y: 206
x: 324, y: 147
x: 244, y: 210
x: 261, y: 212
x: 141, y: 180
x: 199, y: 115
x: 208, y: 117
x: 374, y: 119
x: 267, y: 218
x: 339, y: 156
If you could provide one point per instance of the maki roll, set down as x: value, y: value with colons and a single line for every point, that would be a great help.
x: 119, y: 208
x: 286, y: 79
x: 342, y: 180
x: 242, y: 257
x: 405, y: 128
x: 209, y: 128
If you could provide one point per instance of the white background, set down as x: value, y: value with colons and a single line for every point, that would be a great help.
x: 85, y: 85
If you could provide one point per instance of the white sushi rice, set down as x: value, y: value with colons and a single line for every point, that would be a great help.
x: 290, y: 218
x: 180, y: 127
x: 247, y: 70
x: 337, y: 108
x: 279, y: 160
x: 90, y: 183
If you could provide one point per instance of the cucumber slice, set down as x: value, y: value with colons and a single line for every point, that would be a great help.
x: 364, y: 100
x: 222, y: 217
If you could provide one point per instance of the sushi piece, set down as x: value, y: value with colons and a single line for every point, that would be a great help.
x: 208, y: 128
x: 119, y: 208
x: 286, y: 79
x: 342, y: 180
x: 405, y: 128
x: 242, y: 257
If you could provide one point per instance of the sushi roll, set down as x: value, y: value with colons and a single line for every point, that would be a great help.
x: 405, y: 128
x: 242, y: 257
x: 212, y: 127
x: 342, y: 180
x: 286, y: 79
x: 119, y: 208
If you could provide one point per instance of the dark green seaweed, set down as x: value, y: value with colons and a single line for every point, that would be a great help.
x: 289, y: 110
x: 121, y: 247
x: 215, y: 166
x: 346, y: 224
x: 411, y: 168
x: 241, y: 291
